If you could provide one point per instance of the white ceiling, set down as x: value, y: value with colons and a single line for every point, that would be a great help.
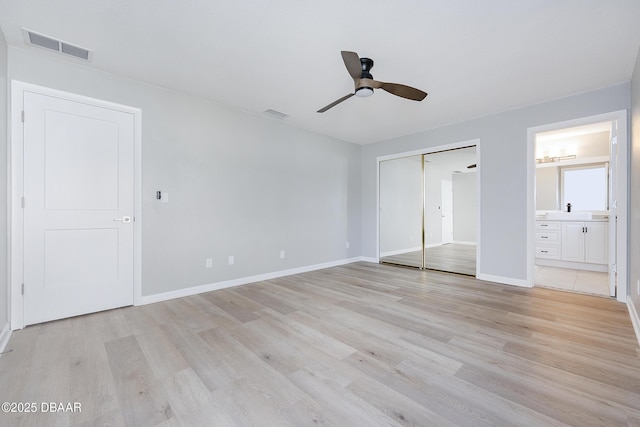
x: 474, y: 58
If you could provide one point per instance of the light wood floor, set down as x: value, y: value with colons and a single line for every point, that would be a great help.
x: 451, y: 257
x: 358, y: 345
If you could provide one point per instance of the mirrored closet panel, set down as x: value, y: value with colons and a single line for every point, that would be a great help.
x: 401, y: 211
x: 428, y: 211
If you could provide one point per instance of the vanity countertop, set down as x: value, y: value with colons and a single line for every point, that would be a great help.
x: 594, y: 218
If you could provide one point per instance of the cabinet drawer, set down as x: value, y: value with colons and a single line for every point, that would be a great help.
x: 547, y: 225
x: 551, y: 252
x: 548, y: 237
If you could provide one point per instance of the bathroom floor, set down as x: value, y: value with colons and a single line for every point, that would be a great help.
x: 586, y: 282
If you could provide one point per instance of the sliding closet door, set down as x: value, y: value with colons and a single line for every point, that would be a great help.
x: 401, y: 211
x: 451, y: 201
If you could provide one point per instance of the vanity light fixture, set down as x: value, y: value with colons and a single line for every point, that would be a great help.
x: 548, y: 159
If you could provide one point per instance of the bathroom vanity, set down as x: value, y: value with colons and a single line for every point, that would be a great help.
x: 571, y: 240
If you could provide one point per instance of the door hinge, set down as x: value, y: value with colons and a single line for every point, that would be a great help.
x: 22, y: 289
x: 22, y: 116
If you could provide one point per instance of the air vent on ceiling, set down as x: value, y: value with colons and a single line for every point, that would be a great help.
x: 59, y: 46
x: 275, y: 114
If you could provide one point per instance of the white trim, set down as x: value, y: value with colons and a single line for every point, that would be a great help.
x: 4, y: 337
x: 463, y: 242
x: 547, y: 262
x: 15, y: 159
x: 428, y: 150
x: 433, y: 245
x: 369, y: 259
x: 504, y: 280
x: 635, y: 319
x: 399, y: 252
x: 623, y: 191
x: 194, y: 290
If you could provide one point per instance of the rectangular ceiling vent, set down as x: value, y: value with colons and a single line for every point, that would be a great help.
x: 59, y: 46
x: 275, y: 114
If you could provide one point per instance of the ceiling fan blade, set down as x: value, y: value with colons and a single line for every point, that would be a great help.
x: 407, y: 92
x: 352, y: 62
x: 334, y: 103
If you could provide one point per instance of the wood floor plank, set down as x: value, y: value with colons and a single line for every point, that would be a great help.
x: 141, y: 402
x: 358, y: 344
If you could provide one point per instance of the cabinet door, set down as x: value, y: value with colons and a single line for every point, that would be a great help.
x: 573, y: 241
x: 597, y: 242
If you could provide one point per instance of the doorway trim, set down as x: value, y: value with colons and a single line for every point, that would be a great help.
x: 622, y: 190
x: 429, y: 150
x: 16, y: 170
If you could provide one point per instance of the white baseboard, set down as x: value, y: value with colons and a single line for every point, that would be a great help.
x: 463, y: 242
x: 635, y: 319
x: 194, y: 290
x: 545, y: 262
x: 432, y: 245
x: 4, y: 337
x: 504, y: 280
x: 399, y: 252
x: 368, y: 259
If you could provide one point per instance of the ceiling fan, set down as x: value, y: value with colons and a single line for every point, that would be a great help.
x: 359, y: 69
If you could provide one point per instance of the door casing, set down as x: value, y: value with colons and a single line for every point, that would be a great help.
x: 622, y: 192
x: 16, y: 186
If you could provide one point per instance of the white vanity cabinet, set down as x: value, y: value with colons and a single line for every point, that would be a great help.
x: 586, y: 241
x: 573, y: 244
x: 548, y: 239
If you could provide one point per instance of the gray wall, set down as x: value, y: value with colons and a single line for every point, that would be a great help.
x: 503, y: 174
x: 634, y: 205
x: 238, y: 184
x: 465, y: 207
x: 4, y: 318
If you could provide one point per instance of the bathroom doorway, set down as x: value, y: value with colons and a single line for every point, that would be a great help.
x: 577, y: 224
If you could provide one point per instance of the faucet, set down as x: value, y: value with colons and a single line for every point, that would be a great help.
x: 568, y: 207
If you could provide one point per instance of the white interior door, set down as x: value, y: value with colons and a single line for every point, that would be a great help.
x: 446, y: 206
x: 78, y: 208
x: 613, y: 209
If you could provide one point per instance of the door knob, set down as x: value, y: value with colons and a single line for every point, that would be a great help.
x: 123, y: 219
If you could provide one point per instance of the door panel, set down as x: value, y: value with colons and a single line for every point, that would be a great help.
x: 573, y: 241
x: 446, y: 207
x: 80, y: 175
x: 613, y: 208
x: 78, y: 185
x: 596, y: 242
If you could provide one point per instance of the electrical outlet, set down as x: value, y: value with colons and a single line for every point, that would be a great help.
x: 281, y: 254
x: 209, y: 263
x: 232, y: 260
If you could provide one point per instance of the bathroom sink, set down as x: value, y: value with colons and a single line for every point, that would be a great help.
x: 577, y: 216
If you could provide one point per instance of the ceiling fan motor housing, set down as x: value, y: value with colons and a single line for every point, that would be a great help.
x: 364, y: 89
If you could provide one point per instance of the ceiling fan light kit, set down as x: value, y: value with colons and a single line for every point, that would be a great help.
x: 364, y: 91
x: 359, y: 69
